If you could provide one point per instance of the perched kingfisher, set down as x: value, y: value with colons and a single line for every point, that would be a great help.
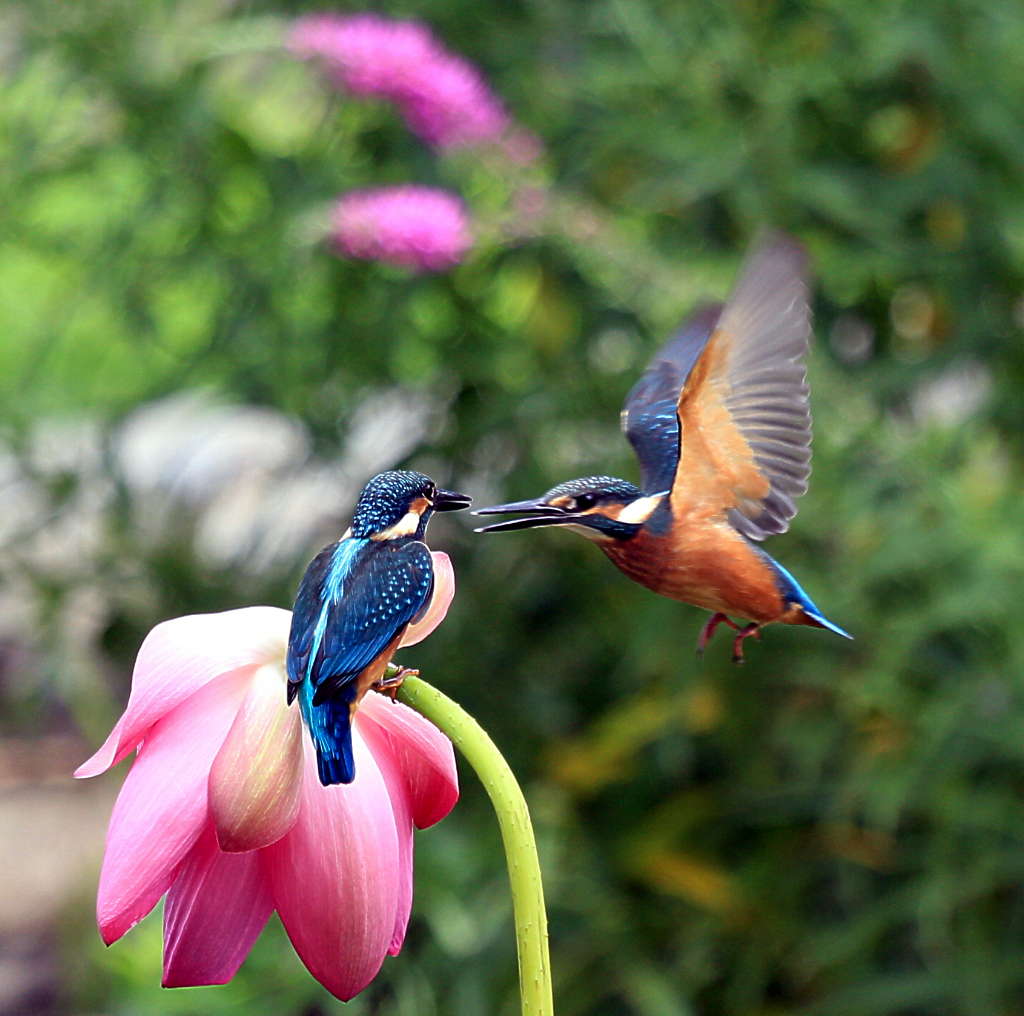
x: 353, y: 605
x: 721, y: 426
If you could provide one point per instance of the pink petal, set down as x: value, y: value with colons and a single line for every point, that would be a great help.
x: 181, y: 656
x: 444, y: 593
x: 424, y: 756
x: 335, y: 877
x: 376, y: 739
x: 257, y: 775
x: 214, y: 912
x: 162, y: 806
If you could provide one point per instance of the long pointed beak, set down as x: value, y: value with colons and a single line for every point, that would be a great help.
x: 533, y: 507
x: 538, y: 514
x: 451, y: 501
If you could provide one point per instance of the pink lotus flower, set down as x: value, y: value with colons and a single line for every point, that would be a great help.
x: 416, y: 227
x: 222, y: 809
x: 443, y: 97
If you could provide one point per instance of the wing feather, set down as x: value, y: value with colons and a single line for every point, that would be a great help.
x: 743, y: 409
x: 649, y: 416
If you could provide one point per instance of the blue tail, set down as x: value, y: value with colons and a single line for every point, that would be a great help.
x: 330, y: 727
x: 791, y: 591
x: 338, y: 766
x: 820, y: 621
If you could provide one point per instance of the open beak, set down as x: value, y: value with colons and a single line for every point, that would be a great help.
x: 537, y: 514
x: 451, y: 501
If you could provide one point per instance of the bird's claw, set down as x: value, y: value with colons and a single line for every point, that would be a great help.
x: 752, y: 630
x: 392, y: 680
x: 709, y: 629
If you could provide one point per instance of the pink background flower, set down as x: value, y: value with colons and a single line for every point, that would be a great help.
x: 416, y: 227
x: 222, y: 809
x: 443, y: 97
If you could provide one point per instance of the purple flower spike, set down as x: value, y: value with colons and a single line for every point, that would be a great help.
x: 416, y: 227
x: 366, y: 54
x: 451, y: 106
x: 443, y: 97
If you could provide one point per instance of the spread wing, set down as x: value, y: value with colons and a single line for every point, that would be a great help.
x: 649, y: 417
x: 743, y: 410
x: 349, y: 611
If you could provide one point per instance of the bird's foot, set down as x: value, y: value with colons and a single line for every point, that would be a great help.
x: 392, y: 680
x: 752, y: 630
x: 709, y: 629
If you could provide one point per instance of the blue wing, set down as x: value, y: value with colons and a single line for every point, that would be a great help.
x: 649, y: 416
x: 354, y: 600
x: 309, y: 602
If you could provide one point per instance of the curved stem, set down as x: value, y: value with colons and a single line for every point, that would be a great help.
x: 516, y: 834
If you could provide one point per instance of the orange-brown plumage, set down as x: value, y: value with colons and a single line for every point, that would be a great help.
x: 709, y: 565
x: 716, y: 469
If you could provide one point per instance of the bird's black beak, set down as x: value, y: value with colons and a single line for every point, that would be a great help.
x: 451, y: 501
x: 537, y: 514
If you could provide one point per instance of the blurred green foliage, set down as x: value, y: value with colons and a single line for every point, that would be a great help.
x: 832, y: 829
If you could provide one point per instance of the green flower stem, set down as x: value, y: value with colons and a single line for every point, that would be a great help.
x: 516, y: 833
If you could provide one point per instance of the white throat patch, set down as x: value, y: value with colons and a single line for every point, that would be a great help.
x: 641, y: 509
x: 405, y: 526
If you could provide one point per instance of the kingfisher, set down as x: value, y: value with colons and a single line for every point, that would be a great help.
x: 355, y: 602
x: 721, y: 426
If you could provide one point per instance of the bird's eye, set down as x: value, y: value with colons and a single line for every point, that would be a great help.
x: 431, y: 491
x: 583, y: 502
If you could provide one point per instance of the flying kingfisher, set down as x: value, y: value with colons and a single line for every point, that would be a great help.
x: 353, y: 605
x: 722, y: 429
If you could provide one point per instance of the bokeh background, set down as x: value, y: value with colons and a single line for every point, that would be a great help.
x: 193, y: 388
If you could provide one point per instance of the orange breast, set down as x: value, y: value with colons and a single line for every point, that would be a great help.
x: 704, y: 562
